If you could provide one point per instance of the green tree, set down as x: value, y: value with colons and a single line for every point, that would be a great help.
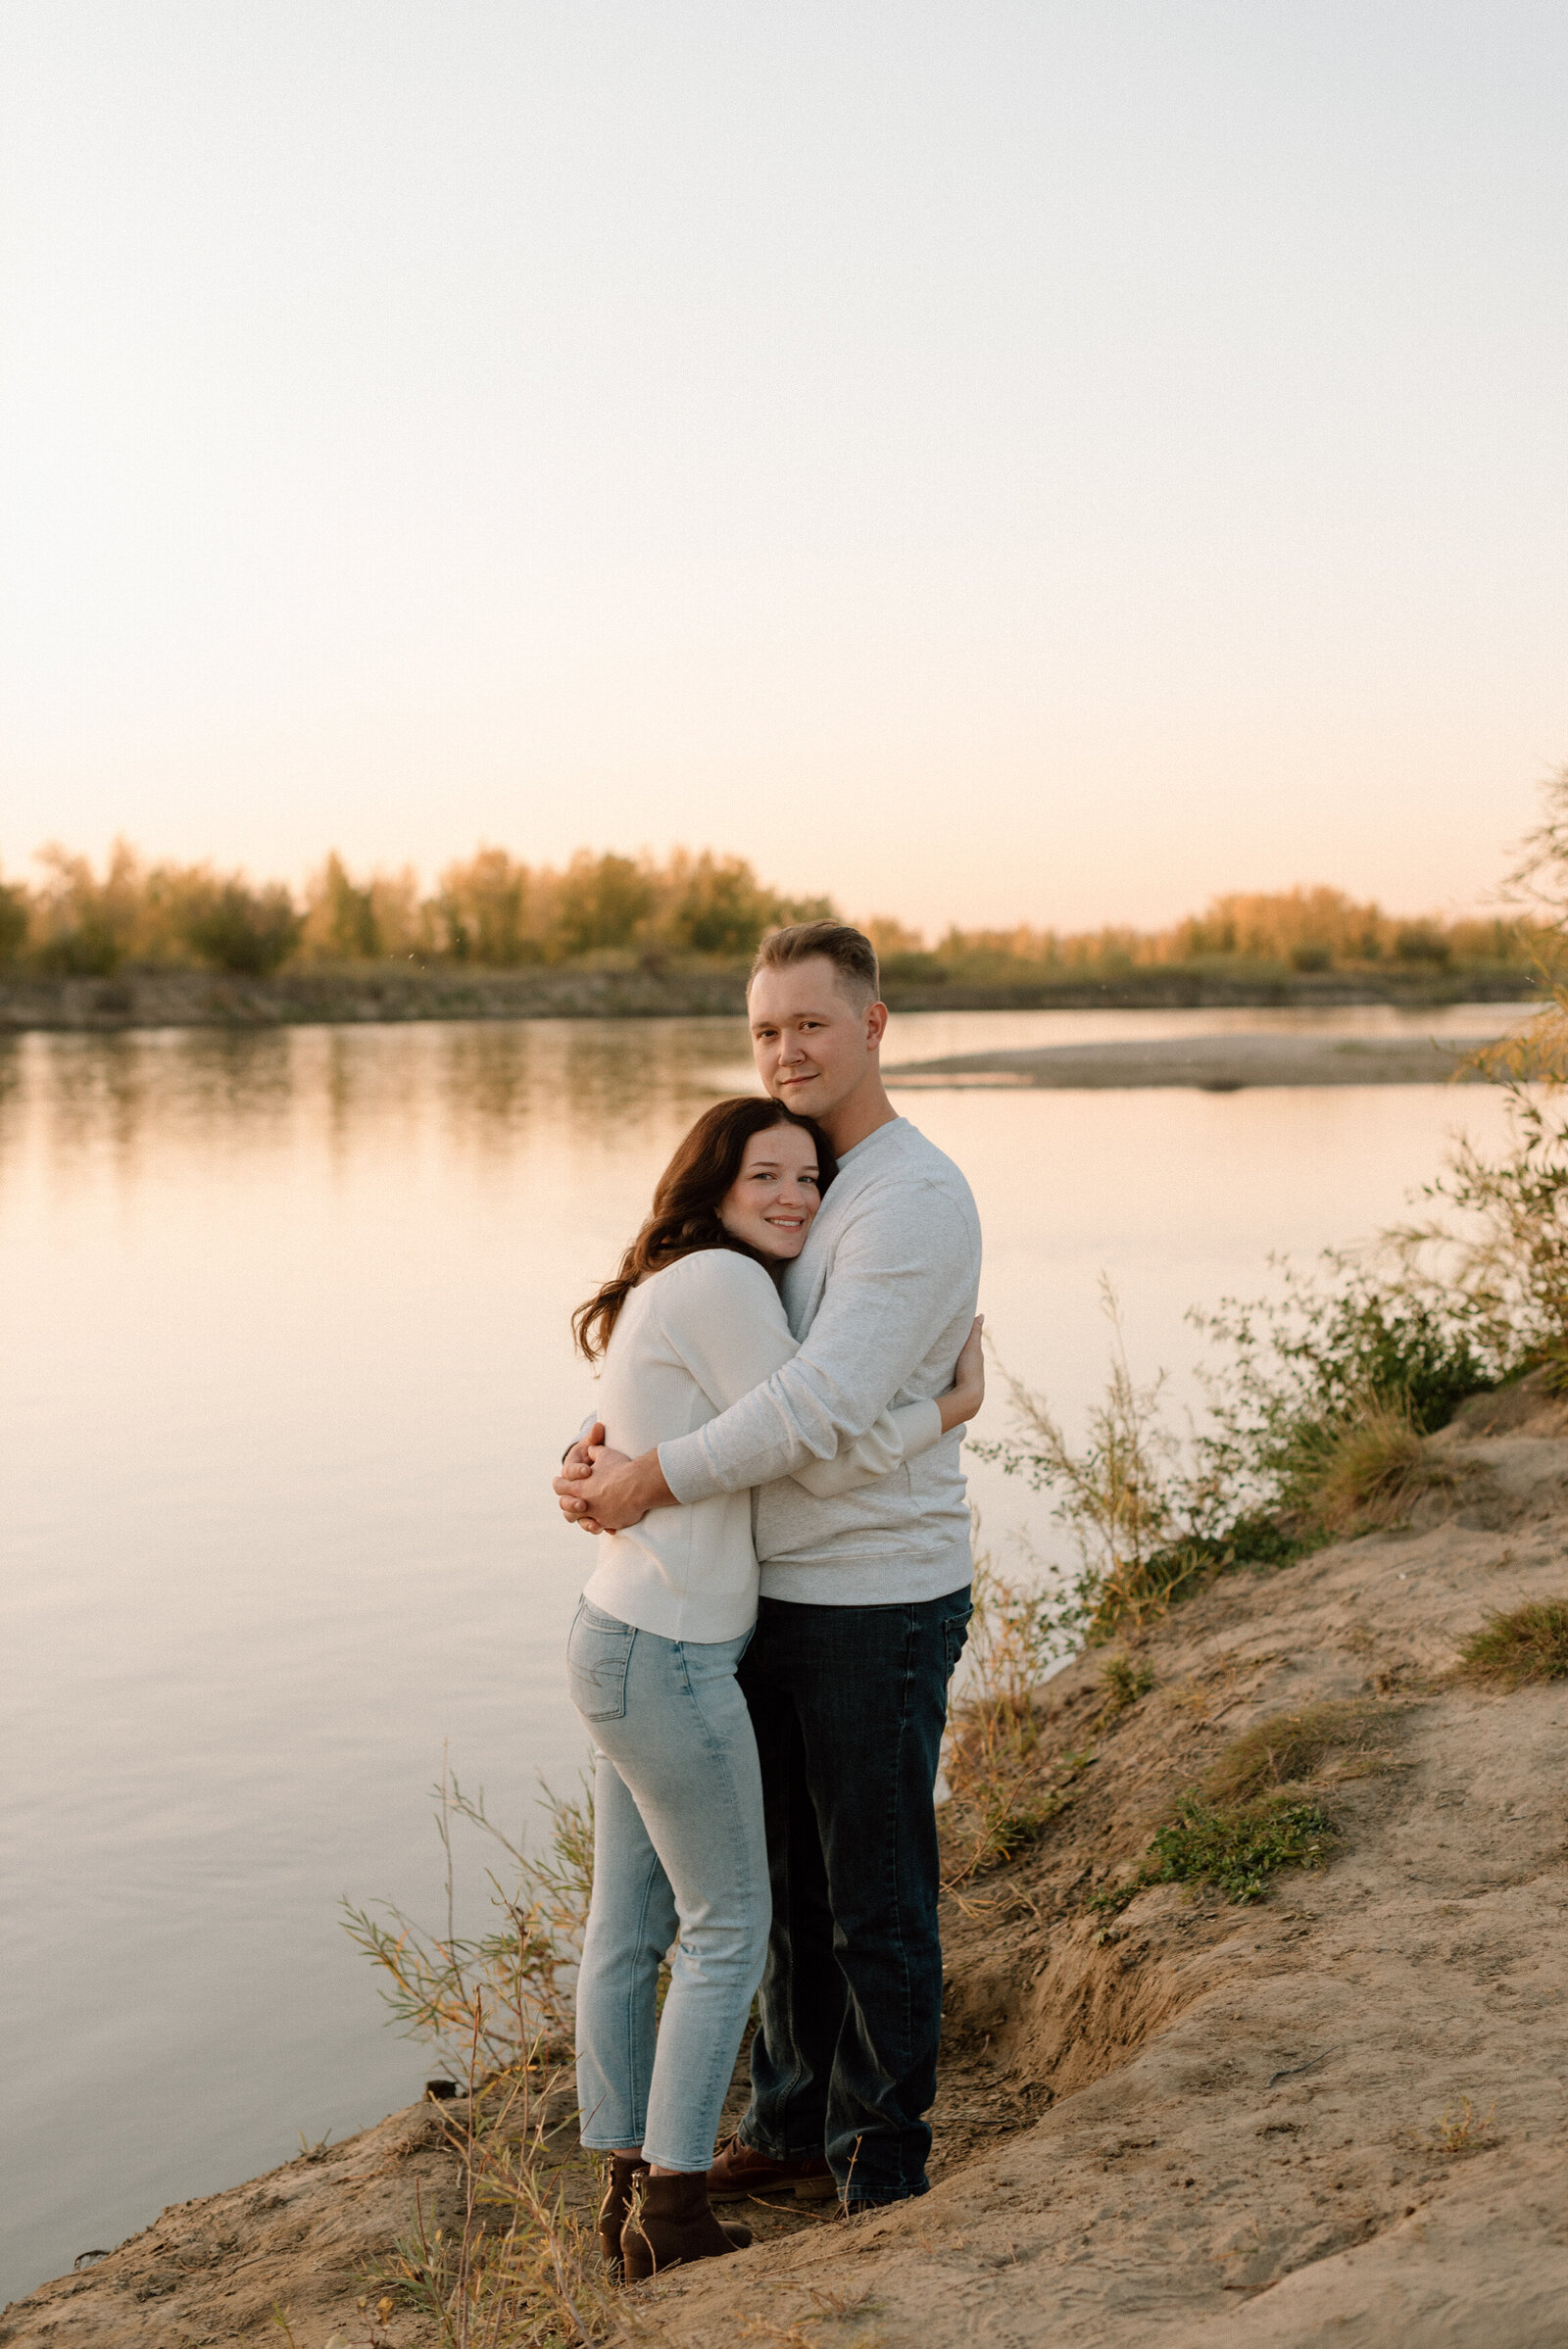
x: 13, y: 919
x: 88, y: 927
x: 341, y: 924
x: 720, y: 908
x: 483, y: 907
x: 601, y: 902
x: 237, y: 928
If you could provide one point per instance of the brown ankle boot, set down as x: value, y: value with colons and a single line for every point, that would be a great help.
x: 670, y: 2223
x: 624, y: 2173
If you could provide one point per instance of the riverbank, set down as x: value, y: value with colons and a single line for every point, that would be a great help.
x: 1334, y: 2116
x: 315, y: 995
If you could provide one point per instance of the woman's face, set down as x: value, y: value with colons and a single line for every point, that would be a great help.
x: 772, y: 1199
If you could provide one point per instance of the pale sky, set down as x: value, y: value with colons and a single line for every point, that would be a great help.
x: 995, y: 461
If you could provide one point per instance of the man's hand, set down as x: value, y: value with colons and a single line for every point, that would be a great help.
x: 611, y: 1492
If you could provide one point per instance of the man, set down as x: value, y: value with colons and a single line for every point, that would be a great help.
x: 864, y: 1601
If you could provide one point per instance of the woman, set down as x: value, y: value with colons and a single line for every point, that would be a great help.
x: 691, y: 1322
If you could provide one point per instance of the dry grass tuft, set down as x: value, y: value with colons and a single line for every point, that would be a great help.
x: 1370, y: 1468
x: 1462, y: 2129
x: 1530, y: 1645
x: 1291, y: 1748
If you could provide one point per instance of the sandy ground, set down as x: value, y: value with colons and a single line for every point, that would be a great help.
x: 1211, y: 1063
x: 1201, y: 2125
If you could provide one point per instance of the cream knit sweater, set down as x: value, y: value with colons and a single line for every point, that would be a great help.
x: 691, y: 1341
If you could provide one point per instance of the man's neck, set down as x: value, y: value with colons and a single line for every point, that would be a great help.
x: 858, y: 1115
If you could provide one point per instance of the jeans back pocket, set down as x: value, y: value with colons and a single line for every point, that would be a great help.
x: 598, y: 1659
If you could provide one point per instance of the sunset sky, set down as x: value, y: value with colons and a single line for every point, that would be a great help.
x: 994, y: 460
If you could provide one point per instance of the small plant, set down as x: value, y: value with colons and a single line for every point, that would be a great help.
x: 523, y: 1972
x: 1143, y: 1512
x: 519, y: 2268
x: 1462, y: 2129
x: 1529, y: 1645
x: 1124, y: 1683
x: 1000, y: 1801
x: 1236, y: 1849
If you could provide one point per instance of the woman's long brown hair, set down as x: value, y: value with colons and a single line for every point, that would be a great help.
x: 686, y: 1204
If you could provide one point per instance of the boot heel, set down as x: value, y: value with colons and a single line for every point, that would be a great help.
x: 669, y: 2225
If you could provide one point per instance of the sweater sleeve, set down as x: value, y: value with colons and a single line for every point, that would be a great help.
x: 726, y: 1319
x: 894, y: 1436
x: 903, y: 1270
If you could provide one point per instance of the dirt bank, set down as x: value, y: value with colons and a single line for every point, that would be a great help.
x: 1339, y: 2116
x: 397, y: 991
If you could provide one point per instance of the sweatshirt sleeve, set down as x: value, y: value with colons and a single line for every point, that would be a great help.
x: 903, y: 1270
x: 726, y: 1319
x: 893, y: 1438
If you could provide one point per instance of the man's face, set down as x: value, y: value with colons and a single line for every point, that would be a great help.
x: 813, y: 1043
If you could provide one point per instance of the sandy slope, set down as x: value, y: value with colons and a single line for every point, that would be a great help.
x: 1224, y: 1063
x: 1211, y: 2125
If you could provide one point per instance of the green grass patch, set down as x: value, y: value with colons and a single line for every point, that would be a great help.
x: 1529, y: 1645
x: 1234, y: 1848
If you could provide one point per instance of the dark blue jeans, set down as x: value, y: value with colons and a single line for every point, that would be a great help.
x: 849, y: 1705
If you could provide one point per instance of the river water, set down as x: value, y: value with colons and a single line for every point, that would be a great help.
x: 284, y: 1375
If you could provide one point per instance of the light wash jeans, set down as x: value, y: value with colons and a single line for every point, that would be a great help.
x: 678, y: 1846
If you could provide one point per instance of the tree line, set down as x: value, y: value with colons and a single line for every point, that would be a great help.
x: 497, y: 912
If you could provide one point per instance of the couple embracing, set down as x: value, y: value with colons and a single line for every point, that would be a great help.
x: 761, y: 1654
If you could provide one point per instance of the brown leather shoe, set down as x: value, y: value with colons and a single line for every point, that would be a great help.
x: 624, y: 2173
x: 669, y: 2225
x: 741, y: 2171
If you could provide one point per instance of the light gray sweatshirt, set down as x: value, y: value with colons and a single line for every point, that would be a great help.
x: 881, y: 1297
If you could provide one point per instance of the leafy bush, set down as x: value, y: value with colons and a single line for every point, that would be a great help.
x: 1502, y: 1268
x: 1299, y: 1368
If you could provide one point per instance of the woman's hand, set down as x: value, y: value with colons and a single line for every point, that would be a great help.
x: 967, y: 1392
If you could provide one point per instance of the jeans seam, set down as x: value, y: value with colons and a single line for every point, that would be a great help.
x: 639, y: 2103
x: 910, y: 1636
x: 720, y: 1748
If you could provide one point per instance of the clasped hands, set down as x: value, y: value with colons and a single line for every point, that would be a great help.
x: 601, y: 1491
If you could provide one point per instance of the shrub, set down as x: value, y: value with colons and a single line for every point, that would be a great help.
x: 1529, y: 1645
x: 1504, y: 1265
x: 1296, y: 1369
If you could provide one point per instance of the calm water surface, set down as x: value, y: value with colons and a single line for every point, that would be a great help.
x: 284, y: 1377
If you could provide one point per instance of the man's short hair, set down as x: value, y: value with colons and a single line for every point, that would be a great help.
x: 851, y: 952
